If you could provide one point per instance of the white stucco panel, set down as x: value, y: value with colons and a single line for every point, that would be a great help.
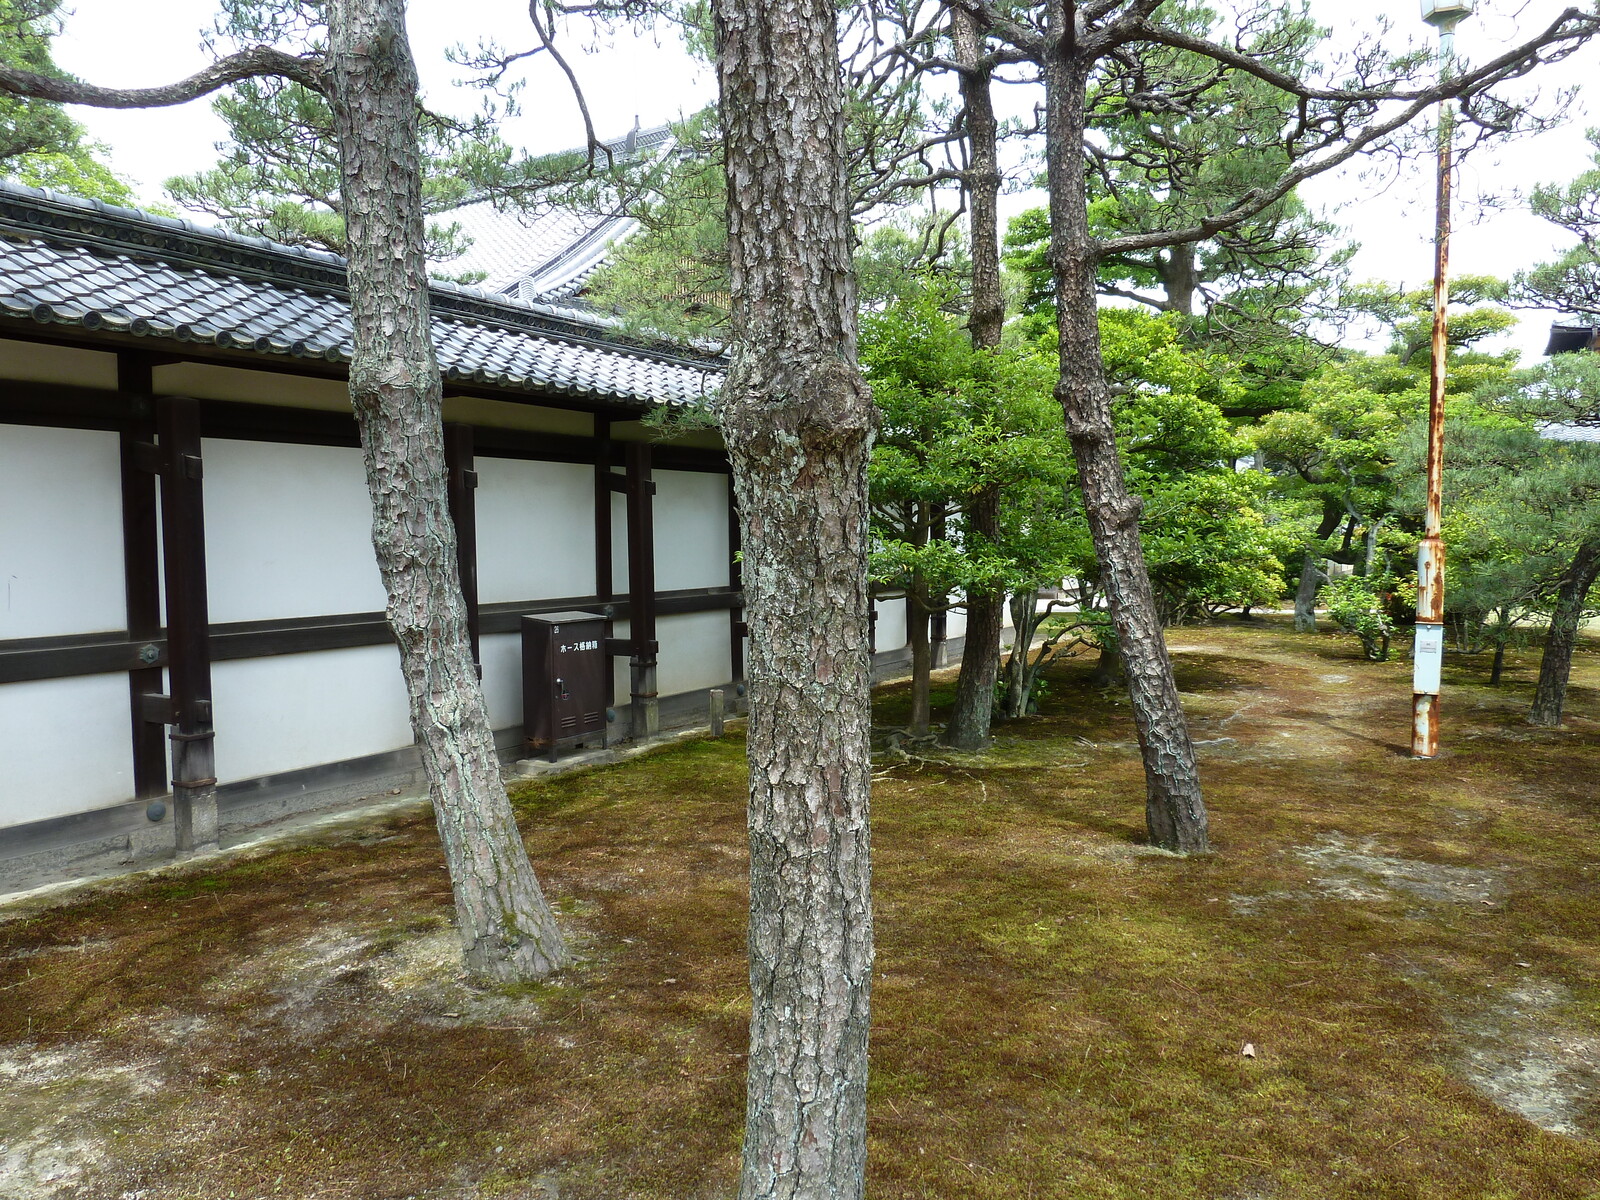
x: 60, y: 532
x: 535, y: 530
x: 890, y: 631
x: 695, y: 652
x: 501, y: 656
x: 288, y: 531
x: 65, y: 746
x: 691, y: 529
x: 300, y: 710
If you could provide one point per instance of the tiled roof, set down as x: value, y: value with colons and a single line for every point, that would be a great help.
x: 1556, y: 431
x: 547, y: 257
x: 69, y: 261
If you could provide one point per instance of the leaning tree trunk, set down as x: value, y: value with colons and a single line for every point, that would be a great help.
x: 799, y: 424
x: 973, y: 711
x: 507, y: 930
x: 1555, y: 667
x: 1174, y: 809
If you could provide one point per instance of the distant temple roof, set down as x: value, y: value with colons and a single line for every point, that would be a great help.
x: 73, y: 262
x: 548, y: 257
x: 1568, y: 339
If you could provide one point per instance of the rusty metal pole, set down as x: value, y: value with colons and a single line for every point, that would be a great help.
x: 1428, y: 647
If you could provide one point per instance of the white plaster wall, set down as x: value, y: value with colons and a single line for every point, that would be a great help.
x: 535, y: 530
x: 691, y: 528
x: 65, y: 747
x: 619, y: 542
x: 300, y: 710
x: 890, y: 633
x: 501, y: 657
x: 60, y: 532
x: 288, y: 531
x: 619, y: 665
x: 34, y: 362
x: 694, y: 652
x: 955, y: 623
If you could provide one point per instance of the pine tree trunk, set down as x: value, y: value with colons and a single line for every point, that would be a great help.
x: 917, y: 637
x: 799, y: 422
x: 1499, y: 666
x: 1108, y: 669
x: 1305, y: 596
x: 507, y: 930
x: 973, y: 711
x: 1555, y: 667
x: 1174, y: 809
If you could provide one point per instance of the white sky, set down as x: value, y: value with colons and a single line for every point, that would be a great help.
x: 114, y: 42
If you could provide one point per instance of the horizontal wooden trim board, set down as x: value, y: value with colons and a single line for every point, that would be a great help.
x: 68, y: 407
x: 25, y: 659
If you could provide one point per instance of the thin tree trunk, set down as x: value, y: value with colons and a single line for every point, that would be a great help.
x: 1018, y: 676
x: 1305, y: 596
x: 1174, y: 809
x: 1555, y: 667
x: 1109, y: 670
x: 1499, y: 664
x: 799, y: 423
x: 917, y: 637
x: 507, y: 930
x: 973, y: 711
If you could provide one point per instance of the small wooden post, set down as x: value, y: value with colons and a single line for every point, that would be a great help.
x: 717, y: 712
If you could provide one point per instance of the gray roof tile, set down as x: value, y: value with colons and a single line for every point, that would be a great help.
x: 76, y: 262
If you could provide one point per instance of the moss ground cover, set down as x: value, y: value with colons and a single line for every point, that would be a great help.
x: 1412, y: 950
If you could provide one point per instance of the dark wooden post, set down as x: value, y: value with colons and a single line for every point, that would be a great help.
x: 605, y: 586
x: 462, y: 493
x: 141, y: 562
x: 194, y: 783
x: 642, y: 591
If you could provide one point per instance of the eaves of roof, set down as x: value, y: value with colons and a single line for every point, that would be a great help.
x: 65, y: 260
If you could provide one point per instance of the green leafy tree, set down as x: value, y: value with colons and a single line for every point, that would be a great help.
x: 1527, y: 508
x: 956, y: 422
x: 1332, y: 455
x: 39, y: 144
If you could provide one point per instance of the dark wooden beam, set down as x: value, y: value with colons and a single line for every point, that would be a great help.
x: 183, y: 542
x: 462, y: 488
x: 23, y: 659
x: 643, y: 697
x: 141, y: 564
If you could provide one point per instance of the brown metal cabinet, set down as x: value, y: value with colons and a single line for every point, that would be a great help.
x: 564, y: 675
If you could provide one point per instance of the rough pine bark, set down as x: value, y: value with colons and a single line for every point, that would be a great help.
x: 1555, y: 666
x: 799, y: 422
x: 1174, y: 809
x: 507, y: 929
x: 973, y: 710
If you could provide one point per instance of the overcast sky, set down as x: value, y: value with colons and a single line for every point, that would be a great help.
x: 115, y: 42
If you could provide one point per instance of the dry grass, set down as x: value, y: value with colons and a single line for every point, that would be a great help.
x: 1412, y: 948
